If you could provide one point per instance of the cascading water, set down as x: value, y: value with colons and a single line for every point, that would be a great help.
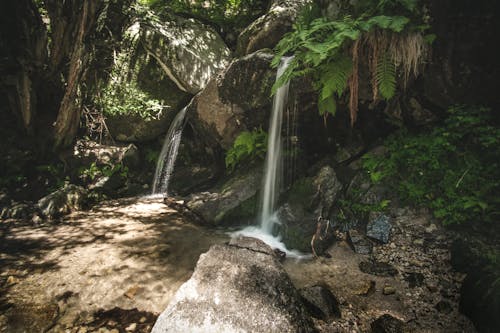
x: 273, y: 165
x: 273, y: 174
x: 168, y: 155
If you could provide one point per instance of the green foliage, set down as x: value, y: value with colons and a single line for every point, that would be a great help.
x: 227, y: 14
x: 248, y: 146
x: 385, y: 77
x: 124, y: 98
x: 94, y: 171
x: 453, y: 169
x: 324, y: 47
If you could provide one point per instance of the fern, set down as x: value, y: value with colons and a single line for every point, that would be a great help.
x: 385, y: 77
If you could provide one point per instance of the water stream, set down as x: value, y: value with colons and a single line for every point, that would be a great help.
x: 273, y: 171
x: 168, y: 155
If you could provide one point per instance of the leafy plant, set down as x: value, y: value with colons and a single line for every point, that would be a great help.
x: 387, y: 34
x: 94, y: 171
x: 247, y: 146
x: 453, y: 169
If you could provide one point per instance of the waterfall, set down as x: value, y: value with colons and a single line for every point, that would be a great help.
x: 168, y: 155
x: 271, y: 186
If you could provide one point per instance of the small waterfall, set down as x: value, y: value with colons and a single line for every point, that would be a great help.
x: 168, y: 155
x: 273, y: 164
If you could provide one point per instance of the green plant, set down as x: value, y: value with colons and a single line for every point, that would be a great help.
x: 453, y: 168
x: 247, y: 146
x: 94, y: 171
x: 388, y: 35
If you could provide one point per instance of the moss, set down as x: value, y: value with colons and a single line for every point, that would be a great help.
x: 245, y: 212
x: 301, y: 192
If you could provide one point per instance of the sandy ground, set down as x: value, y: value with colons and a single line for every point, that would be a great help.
x: 130, y: 253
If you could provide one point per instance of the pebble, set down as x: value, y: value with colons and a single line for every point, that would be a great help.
x: 388, y: 290
x: 131, y: 327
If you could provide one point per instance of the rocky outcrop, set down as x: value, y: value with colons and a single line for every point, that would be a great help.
x: 267, y: 30
x: 226, y: 201
x: 307, y: 210
x: 63, y: 201
x: 238, y: 99
x: 188, y: 51
x: 240, y: 287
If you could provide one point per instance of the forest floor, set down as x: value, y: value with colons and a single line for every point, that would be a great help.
x: 116, y: 267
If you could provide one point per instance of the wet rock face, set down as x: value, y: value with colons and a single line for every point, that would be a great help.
x: 63, y: 201
x: 267, y: 30
x: 307, y: 211
x: 236, y: 288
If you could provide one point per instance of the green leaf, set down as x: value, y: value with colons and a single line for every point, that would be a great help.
x: 385, y: 77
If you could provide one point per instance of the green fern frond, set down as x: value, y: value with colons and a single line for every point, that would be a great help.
x: 385, y: 76
x: 334, y: 75
x: 327, y: 105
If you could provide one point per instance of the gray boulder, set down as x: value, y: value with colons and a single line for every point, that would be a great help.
x: 267, y: 30
x: 321, y: 303
x: 236, y: 288
x: 226, y: 201
x: 379, y: 227
x: 63, y: 201
x: 17, y: 210
x: 188, y: 51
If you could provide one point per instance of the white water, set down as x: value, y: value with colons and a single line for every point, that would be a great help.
x: 272, y: 175
x: 168, y: 155
x: 273, y: 166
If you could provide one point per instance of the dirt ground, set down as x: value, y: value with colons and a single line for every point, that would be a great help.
x: 116, y: 267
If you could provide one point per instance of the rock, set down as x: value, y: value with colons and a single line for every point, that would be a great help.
x: 418, y: 115
x: 235, y: 289
x: 431, y: 228
x: 267, y: 30
x: 387, y: 324
x: 307, y: 211
x: 253, y: 244
x: 414, y: 279
x: 388, y: 290
x: 377, y: 268
x: 238, y: 99
x: 17, y: 211
x: 359, y: 243
x: 188, y: 51
x: 63, y: 201
x: 365, y: 288
x: 227, y: 200
x: 379, y: 227
x: 321, y: 303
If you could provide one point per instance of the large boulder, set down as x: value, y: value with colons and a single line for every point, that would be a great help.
x: 188, y: 51
x: 238, y: 99
x: 267, y: 30
x: 236, y: 288
x: 138, y: 80
x: 229, y: 202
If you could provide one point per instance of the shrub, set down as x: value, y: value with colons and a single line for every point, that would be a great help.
x: 248, y: 146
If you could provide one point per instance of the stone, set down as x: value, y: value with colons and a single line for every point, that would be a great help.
x: 377, y: 268
x: 365, y: 288
x: 238, y: 99
x: 236, y: 289
x: 444, y: 306
x: 387, y: 324
x: 63, y: 201
x: 267, y: 30
x: 321, y: 303
x: 306, y: 211
x: 379, y: 227
x: 226, y: 200
x: 431, y: 228
x: 189, y: 52
x: 388, y: 290
x: 359, y: 243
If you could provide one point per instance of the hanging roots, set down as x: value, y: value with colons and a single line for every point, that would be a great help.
x: 354, y: 82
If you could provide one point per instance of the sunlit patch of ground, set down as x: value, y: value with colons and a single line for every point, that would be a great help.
x: 128, y: 253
